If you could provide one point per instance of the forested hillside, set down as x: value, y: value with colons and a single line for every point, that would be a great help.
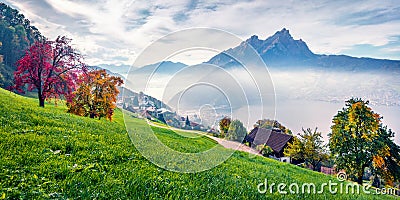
x: 16, y: 34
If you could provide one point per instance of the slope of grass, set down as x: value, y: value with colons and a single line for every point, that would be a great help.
x: 47, y: 153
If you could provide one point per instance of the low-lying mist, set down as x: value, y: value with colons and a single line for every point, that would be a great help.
x: 297, y: 97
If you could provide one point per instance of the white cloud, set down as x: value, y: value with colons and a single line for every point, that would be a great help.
x: 123, y: 28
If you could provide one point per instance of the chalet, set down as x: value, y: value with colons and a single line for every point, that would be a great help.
x: 328, y: 170
x: 274, y: 138
x: 194, y: 124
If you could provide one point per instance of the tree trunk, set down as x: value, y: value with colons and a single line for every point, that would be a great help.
x: 360, y: 177
x: 41, y: 103
x: 41, y: 99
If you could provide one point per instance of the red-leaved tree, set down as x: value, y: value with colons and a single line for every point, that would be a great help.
x: 51, y: 68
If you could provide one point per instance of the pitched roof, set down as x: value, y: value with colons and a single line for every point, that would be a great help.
x: 273, y: 138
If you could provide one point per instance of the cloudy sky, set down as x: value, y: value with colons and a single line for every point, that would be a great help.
x: 116, y: 31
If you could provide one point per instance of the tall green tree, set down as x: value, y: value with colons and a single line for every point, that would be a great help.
x: 187, y: 122
x: 309, y: 147
x: 236, y: 131
x: 359, y: 140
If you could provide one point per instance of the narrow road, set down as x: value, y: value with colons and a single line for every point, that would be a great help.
x: 234, y: 145
x: 225, y: 143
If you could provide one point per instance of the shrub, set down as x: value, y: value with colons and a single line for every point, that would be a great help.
x: 265, y: 150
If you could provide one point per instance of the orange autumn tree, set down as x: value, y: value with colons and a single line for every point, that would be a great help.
x: 96, y: 95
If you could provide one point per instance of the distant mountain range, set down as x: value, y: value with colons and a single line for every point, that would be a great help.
x: 297, y: 72
x: 164, y: 67
x: 119, y: 69
x: 282, y: 50
x: 277, y: 51
x: 110, y: 72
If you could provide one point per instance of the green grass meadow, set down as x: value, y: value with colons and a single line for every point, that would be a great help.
x: 46, y: 153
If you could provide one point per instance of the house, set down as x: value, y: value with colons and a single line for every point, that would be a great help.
x: 194, y: 124
x: 274, y: 138
x: 328, y: 170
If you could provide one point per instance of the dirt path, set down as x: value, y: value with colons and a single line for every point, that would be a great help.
x: 225, y: 143
x: 234, y: 145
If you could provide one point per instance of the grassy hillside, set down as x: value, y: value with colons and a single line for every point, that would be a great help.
x: 47, y: 153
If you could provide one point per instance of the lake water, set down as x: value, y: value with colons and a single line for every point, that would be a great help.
x: 298, y: 114
x: 305, y: 98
